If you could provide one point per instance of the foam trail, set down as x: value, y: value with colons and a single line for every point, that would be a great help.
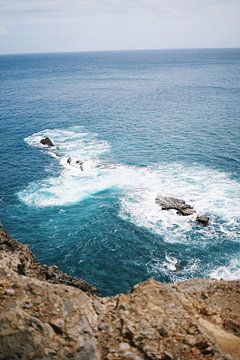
x: 209, y: 191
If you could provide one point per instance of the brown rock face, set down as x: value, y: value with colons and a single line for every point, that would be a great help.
x: 19, y: 258
x: 58, y: 317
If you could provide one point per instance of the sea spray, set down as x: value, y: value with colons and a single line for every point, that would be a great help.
x: 209, y: 191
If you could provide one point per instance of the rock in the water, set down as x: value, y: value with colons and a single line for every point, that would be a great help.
x: 168, y: 203
x: 203, y: 219
x: 187, y: 211
x: 80, y: 163
x: 47, y: 141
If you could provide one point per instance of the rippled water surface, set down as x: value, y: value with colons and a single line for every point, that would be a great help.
x: 143, y: 123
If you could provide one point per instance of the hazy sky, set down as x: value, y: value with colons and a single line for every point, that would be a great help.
x: 79, y: 25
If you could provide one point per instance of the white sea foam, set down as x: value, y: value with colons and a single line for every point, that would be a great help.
x: 227, y: 272
x: 173, y: 268
x: 72, y: 185
x: 171, y: 263
x: 209, y: 191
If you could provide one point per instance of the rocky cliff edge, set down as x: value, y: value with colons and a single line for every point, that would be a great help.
x: 46, y: 314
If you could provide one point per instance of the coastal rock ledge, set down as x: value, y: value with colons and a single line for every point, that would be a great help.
x: 45, y: 314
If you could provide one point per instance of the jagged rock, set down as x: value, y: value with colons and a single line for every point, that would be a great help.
x: 42, y: 318
x: 20, y: 259
x: 80, y: 163
x: 47, y: 141
x: 202, y: 219
x: 187, y: 211
x: 169, y: 203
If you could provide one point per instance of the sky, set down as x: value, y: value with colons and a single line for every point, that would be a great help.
x: 28, y: 26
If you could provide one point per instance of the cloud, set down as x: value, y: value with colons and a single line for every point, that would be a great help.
x: 3, y: 30
x: 76, y: 25
x: 57, y: 8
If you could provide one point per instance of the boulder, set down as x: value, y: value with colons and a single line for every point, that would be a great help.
x: 168, y: 203
x: 46, y: 141
x: 203, y: 219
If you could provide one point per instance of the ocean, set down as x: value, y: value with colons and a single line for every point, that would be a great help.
x: 143, y: 123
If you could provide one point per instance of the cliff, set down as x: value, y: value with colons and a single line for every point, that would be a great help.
x: 46, y: 314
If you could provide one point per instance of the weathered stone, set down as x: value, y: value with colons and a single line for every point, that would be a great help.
x: 24, y: 263
x: 190, y: 340
x: 9, y: 292
x: 57, y: 325
x: 43, y: 318
x: 46, y: 141
x: 27, y: 305
x: 202, y: 219
x: 167, y: 356
x: 171, y: 203
x: 163, y: 331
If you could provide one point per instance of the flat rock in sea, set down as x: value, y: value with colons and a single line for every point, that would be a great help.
x: 169, y: 203
x: 47, y: 141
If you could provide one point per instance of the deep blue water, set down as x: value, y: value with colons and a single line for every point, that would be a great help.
x: 143, y: 123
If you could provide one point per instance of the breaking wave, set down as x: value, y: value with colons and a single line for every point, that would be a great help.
x: 209, y: 191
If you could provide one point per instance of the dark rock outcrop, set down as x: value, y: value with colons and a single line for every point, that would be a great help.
x: 169, y: 203
x: 42, y: 318
x: 203, y: 219
x: 80, y: 164
x: 46, y: 141
x: 20, y: 259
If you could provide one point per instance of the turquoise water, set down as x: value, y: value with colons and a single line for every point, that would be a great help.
x: 143, y: 123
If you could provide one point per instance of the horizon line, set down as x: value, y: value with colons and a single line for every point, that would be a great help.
x: 115, y: 50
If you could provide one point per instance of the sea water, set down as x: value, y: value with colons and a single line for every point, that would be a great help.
x: 143, y: 123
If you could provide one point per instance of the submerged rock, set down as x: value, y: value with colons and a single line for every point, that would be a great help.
x: 203, y: 219
x: 169, y: 203
x: 47, y: 141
